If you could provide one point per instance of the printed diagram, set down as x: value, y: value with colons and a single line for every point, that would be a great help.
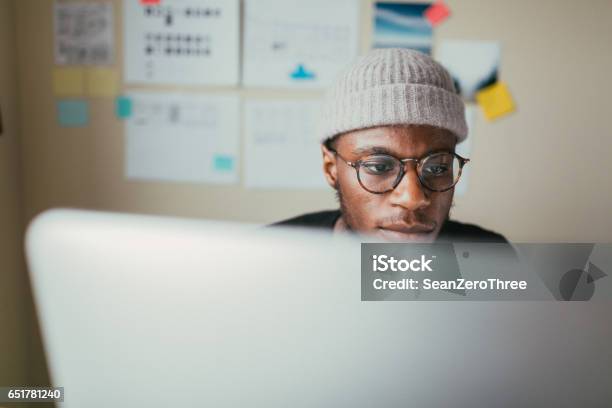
x: 183, y: 138
x: 191, y: 42
x: 288, y: 43
x: 175, y: 113
x: 178, y: 44
x: 270, y: 147
x: 280, y: 40
x: 167, y: 13
x: 84, y: 34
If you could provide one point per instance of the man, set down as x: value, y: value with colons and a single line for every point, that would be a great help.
x: 391, y: 124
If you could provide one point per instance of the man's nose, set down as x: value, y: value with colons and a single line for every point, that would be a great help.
x: 410, y: 193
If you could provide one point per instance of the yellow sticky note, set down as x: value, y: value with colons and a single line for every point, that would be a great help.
x: 495, y: 101
x: 102, y: 82
x: 68, y: 81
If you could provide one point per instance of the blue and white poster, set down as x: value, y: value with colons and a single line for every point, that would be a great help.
x: 399, y: 25
x: 473, y: 65
x: 298, y: 44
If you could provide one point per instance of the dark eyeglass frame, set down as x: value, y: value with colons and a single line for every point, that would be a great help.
x: 357, y: 164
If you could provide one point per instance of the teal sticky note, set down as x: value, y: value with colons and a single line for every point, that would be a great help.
x: 123, y: 107
x: 223, y: 163
x: 73, y: 113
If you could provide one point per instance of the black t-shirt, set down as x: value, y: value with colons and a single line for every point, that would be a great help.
x: 451, y: 230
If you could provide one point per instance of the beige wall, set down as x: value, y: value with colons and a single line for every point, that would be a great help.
x: 554, y: 153
x: 540, y: 174
x: 21, y: 354
x: 14, y: 315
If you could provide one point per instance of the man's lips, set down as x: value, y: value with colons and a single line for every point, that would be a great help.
x: 408, y: 229
x: 406, y: 233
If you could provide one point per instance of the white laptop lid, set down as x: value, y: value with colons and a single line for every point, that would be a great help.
x: 158, y: 312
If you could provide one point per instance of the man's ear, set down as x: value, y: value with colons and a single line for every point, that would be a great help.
x: 330, y: 170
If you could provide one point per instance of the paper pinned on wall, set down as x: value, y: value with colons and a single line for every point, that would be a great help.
x: 123, y: 107
x: 464, y: 149
x: 101, y: 82
x: 223, y: 162
x: 183, y: 138
x: 84, y: 33
x: 495, y: 101
x: 282, y: 150
x: 68, y: 81
x: 187, y: 42
x: 473, y: 65
x: 437, y: 13
x: 73, y: 113
x: 296, y: 43
x: 402, y: 25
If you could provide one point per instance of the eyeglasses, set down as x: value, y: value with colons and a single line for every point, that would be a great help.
x: 381, y: 173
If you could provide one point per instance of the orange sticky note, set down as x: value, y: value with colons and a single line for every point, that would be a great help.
x: 495, y: 101
x: 101, y: 82
x: 149, y: 2
x: 68, y: 81
x: 437, y: 13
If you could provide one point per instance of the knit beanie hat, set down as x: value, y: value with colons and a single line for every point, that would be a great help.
x: 393, y: 86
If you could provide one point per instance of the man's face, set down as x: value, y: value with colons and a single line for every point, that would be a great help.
x: 410, y: 212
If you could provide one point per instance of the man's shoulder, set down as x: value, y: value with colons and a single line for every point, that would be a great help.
x: 459, y: 231
x: 320, y: 219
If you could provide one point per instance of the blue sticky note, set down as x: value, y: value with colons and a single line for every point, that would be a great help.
x: 224, y: 163
x: 73, y: 113
x: 123, y: 107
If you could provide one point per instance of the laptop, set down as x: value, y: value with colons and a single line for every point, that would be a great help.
x: 142, y: 311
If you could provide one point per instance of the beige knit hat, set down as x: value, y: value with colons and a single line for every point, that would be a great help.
x: 393, y: 86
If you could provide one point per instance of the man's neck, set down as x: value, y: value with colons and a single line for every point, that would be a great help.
x: 341, y: 225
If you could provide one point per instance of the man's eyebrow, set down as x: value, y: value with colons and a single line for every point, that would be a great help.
x: 373, y: 149
x: 364, y: 150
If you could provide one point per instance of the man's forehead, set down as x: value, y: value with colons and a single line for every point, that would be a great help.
x: 400, y: 138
